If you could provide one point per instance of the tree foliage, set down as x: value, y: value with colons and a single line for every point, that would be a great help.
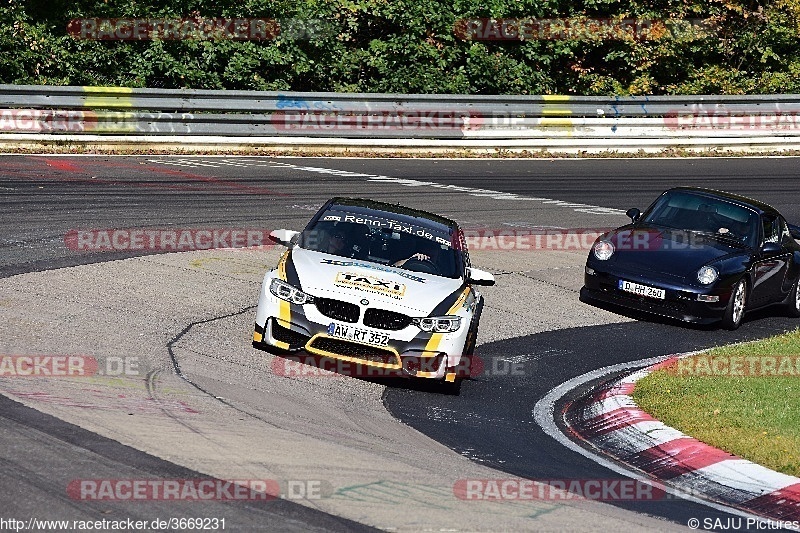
x: 412, y: 46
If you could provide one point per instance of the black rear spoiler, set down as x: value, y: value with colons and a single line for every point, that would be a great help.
x: 794, y: 231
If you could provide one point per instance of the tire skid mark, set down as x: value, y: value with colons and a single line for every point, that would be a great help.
x: 179, y: 372
x: 195, y: 182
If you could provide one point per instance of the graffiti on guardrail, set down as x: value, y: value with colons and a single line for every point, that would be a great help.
x: 531, y: 122
x: 79, y: 121
x: 290, y: 102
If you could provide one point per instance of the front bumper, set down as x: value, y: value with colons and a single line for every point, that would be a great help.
x: 332, y: 354
x: 680, y: 300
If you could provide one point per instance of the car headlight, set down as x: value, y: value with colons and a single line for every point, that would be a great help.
x: 707, y: 275
x: 284, y: 291
x: 603, y: 250
x: 438, y: 324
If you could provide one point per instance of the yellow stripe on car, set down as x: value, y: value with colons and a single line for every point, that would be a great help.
x: 436, y: 338
x: 284, y: 307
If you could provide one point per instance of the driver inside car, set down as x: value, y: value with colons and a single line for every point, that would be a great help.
x: 430, y: 252
x: 337, y: 242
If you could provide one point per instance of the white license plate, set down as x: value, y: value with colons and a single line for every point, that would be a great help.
x: 352, y: 333
x: 641, y: 290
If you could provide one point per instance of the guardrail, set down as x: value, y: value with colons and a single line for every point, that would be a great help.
x: 562, y: 123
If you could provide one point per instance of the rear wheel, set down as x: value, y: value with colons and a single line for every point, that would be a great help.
x: 734, y: 313
x: 793, y: 304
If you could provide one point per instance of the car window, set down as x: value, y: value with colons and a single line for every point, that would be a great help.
x: 684, y: 210
x: 786, y: 236
x: 772, y: 231
x: 378, y: 238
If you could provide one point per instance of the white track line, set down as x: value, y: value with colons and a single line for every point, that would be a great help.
x: 544, y: 414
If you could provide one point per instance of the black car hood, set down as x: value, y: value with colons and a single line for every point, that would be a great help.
x: 674, y: 253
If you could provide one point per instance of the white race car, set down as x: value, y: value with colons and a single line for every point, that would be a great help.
x: 374, y: 289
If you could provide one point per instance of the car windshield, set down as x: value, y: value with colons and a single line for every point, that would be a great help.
x: 696, y: 212
x: 379, y: 237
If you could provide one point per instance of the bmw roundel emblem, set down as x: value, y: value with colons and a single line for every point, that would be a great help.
x: 364, y: 302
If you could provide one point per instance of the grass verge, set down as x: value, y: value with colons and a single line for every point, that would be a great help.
x: 744, y: 399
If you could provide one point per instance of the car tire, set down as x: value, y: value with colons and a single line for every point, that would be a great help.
x: 734, y: 313
x: 793, y: 303
x: 472, y: 338
x: 452, y: 388
x: 472, y: 335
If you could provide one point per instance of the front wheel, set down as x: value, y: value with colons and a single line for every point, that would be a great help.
x: 451, y: 388
x: 793, y: 304
x: 734, y: 313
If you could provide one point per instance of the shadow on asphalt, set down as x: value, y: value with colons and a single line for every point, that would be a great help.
x: 492, y: 423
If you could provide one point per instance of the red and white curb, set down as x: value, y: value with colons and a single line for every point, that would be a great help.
x: 610, y: 422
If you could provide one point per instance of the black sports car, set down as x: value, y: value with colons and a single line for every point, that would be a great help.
x: 699, y: 256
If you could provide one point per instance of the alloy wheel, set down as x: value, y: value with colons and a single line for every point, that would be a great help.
x: 738, y: 303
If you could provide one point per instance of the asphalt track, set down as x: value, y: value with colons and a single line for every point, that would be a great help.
x: 490, y: 422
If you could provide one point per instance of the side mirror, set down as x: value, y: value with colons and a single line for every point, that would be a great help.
x: 479, y: 277
x: 283, y: 236
x: 770, y: 248
x: 794, y: 231
x: 633, y: 213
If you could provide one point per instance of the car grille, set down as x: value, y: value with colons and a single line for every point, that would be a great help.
x: 366, y: 353
x: 383, y: 319
x: 653, y: 304
x: 338, y: 310
x: 292, y: 338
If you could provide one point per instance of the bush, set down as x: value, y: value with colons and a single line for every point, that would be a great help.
x: 411, y: 46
